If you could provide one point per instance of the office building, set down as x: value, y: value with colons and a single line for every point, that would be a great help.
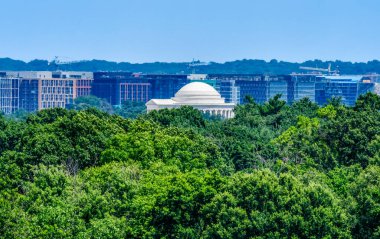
x: 36, y: 90
x: 29, y: 95
x: 9, y: 94
x: 56, y: 92
x: 165, y: 86
x: 229, y: 91
x: 278, y: 85
x: 83, y: 80
x: 348, y: 88
x: 117, y: 87
x: 302, y: 86
x: 236, y: 87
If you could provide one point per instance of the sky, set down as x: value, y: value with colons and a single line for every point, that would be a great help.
x: 181, y: 30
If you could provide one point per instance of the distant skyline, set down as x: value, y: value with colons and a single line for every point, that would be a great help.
x: 178, y: 31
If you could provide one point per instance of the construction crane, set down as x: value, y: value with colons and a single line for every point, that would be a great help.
x: 57, y: 62
x: 315, y: 69
x: 192, y: 65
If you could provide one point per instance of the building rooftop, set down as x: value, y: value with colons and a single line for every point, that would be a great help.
x: 162, y: 101
x: 355, y: 78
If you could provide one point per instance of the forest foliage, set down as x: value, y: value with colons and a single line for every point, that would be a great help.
x: 273, y: 171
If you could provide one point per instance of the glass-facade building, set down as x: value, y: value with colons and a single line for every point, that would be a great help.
x: 9, y: 94
x: 229, y: 91
x: 165, y: 86
x: 33, y: 91
x: 348, y: 88
x: 106, y: 85
x: 36, y: 90
x: 117, y: 87
x: 29, y: 94
x: 235, y: 88
x: 257, y: 89
x: 302, y: 86
x: 135, y: 91
x: 278, y: 85
x: 294, y: 87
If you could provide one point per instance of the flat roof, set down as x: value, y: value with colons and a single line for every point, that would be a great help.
x: 344, y: 77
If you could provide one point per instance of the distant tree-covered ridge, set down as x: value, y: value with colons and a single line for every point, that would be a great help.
x: 232, y: 67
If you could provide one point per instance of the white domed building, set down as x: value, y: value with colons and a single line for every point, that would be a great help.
x: 198, y: 95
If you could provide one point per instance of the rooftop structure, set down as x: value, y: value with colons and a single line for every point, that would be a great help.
x: 198, y: 95
x: 30, y: 74
x: 73, y: 74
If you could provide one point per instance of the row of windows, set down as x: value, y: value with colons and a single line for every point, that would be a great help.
x: 47, y: 97
x: 57, y: 90
x: 8, y: 103
x: 135, y: 92
x: 83, y: 91
x: 46, y: 105
x: 57, y: 83
x: 81, y: 83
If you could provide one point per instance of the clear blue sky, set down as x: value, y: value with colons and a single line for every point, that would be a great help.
x: 180, y: 30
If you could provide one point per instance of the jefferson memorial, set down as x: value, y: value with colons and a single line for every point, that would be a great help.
x: 198, y: 95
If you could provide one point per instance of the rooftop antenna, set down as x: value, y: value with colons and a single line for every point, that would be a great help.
x: 196, y: 63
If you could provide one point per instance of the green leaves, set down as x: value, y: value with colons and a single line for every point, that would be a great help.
x: 274, y: 171
x: 55, y: 136
x: 172, y: 146
x: 264, y: 205
x: 273, y: 106
x: 369, y: 102
x: 366, y: 191
x: 185, y: 116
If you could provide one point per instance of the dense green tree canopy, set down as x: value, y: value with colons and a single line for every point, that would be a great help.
x: 273, y: 171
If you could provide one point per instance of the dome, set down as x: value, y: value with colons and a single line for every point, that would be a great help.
x: 198, y: 93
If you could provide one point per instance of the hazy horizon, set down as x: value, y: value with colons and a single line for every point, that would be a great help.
x: 172, y: 31
x: 179, y: 62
